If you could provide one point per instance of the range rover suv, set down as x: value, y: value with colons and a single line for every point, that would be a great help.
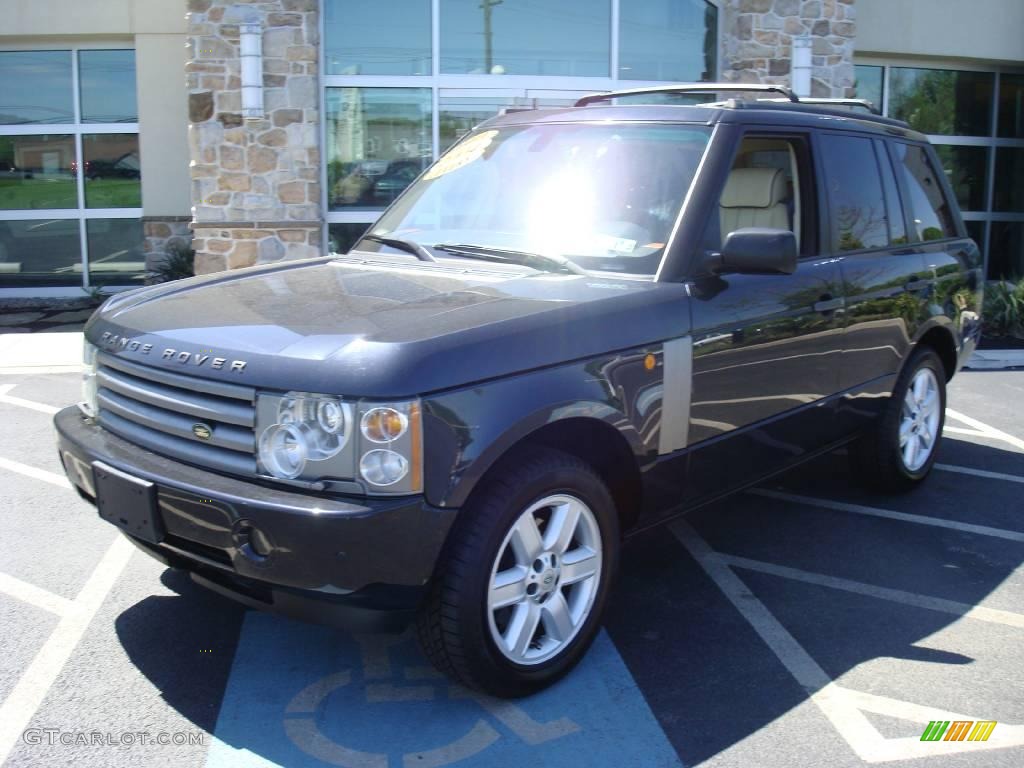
x: 575, y: 325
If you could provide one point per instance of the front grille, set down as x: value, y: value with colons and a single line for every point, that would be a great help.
x: 157, y: 410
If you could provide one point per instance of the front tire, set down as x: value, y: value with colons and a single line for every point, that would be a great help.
x: 522, y: 584
x: 897, y: 454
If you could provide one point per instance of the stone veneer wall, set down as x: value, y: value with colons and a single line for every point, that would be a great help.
x: 757, y: 42
x: 255, y: 183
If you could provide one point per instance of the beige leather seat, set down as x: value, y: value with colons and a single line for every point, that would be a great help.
x: 754, y: 197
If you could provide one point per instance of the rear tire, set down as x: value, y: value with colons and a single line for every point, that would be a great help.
x: 522, y: 584
x: 898, y: 452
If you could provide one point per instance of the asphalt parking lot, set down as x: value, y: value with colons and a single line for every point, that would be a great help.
x: 806, y: 623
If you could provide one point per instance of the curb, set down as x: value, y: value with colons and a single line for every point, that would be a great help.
x: 996, y: 360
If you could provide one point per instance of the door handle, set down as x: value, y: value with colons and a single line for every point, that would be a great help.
x: 827, y: 304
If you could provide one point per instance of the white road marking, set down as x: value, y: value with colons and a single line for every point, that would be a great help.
x: 966, y: 610
x: 858, y: 509
x: 962, y: 431
x: 989, y: 431
x: 33, y: 595
x: 32, y: 405
x: 30, y: 370
x: 37, y: 474
x: 843, y: 707
x: 980, y: 473
x: 24, y: 700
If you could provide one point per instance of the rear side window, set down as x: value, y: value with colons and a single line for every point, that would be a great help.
x: 928, y: 208
x: 855, y: 193
x: 893, y: 207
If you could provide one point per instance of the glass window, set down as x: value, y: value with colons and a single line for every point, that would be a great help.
x: 107, y: 83
x: 869, y: 83
x: 855, y: 193
x: 893, y: 201
x: 115, y: 251
x: 1006, y: 251
x: 378, y: 140
x: 369, y: 37
x: 1011, y: 106
x: 35, y: 87
x: 112, y: 178
x: 967, y: 171
x: 40, y: 252
x: 942, y: 101
x: 606, y: 196
x: 930, y: 212
x: 668, y: 40
x: 1009, y: 189
x: 526, y: 37
x: 37, y: 172
x: 341, y: 237
x: 976, y: 231
x: 458, y: 115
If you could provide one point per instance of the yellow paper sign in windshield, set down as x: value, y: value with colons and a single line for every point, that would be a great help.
x: 463, y: 154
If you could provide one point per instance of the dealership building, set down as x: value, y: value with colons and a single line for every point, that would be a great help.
x: 275, y: 129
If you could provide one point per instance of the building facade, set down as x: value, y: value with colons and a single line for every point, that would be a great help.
x: 133, y: 128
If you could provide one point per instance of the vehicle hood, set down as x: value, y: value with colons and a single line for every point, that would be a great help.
x: 385, y: 327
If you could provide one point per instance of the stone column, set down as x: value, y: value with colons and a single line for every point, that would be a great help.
x: 757, y: 42
x: 255, y: 183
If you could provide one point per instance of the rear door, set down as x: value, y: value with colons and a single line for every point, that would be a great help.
x: 885, y: 282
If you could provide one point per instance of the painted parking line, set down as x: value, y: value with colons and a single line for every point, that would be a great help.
x: 844, y: 708
x: 977, y: 612
x: 33, y: 595
x: 320, y: 697
x: 28, y: 693
x: 980, y: 473
x: 986, y: 429
x: 22, y: 403
x: 36, y: 474
x: 859, y: 509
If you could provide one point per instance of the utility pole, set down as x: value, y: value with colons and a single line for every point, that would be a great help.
x: 487, y: 5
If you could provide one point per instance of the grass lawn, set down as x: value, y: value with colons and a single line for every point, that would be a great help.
x: 62, y: 193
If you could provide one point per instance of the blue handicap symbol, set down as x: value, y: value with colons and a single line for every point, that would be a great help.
x: 303, y: 695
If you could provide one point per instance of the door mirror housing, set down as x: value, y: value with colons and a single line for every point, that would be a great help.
x: 755, y: 251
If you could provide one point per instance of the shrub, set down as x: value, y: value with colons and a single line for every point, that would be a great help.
x: 178, y: 264
x: 1003, y: 313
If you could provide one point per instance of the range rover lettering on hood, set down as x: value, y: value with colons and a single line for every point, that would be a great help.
x: 114, y: 342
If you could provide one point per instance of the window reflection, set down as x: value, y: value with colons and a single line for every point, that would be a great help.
x: 932, y: 218
x: 942, y: 101
x: 107, y: 86
x: 967, y: 171
x: 378, y: 141
x: 1006, y: 251
x: 855, y: 192
x: 115, y: 251
x: 368, y: 37
x: 112, y: 177
x: 1009, y: 188
x: 35, y: 87
x: 526, y: 37
x: 37, y: 172
x: 458, y: 115
x: 341, y: 237
x: 40, y: 252
x: 668, y: 40
x: 1011, y: 106
x: 869, y: 83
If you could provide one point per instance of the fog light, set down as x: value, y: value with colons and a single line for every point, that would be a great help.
x: 383, y: 467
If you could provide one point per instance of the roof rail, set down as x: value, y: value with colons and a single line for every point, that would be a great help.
x: 834, y: 102
x: 595, y: 98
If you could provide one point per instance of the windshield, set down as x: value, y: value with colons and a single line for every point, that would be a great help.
x: 604, y: 196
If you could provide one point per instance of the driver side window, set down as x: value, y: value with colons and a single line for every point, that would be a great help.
x: 768, y: 186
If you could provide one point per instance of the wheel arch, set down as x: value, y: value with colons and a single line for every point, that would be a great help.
x: 940, y: 338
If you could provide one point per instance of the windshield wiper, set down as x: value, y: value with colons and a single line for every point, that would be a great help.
x: 541, y: 261
x: 409, y: 246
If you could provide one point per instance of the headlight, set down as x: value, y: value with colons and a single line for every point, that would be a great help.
x: 312, y: 437
x: 89, y: 405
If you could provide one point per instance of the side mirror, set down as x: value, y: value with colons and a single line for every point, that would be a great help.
x: 756, y: 251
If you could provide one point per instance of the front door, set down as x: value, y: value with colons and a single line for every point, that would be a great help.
x: 766, y: 348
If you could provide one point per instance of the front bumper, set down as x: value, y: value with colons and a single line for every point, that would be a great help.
x: 357, y: 563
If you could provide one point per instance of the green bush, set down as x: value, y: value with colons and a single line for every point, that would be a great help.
x: 178, y: 264
x: 1003, y: 313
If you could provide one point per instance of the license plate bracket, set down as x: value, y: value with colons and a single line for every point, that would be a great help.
x: 128, y: 502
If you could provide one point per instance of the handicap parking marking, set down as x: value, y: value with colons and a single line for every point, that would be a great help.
x: 305, y: 695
